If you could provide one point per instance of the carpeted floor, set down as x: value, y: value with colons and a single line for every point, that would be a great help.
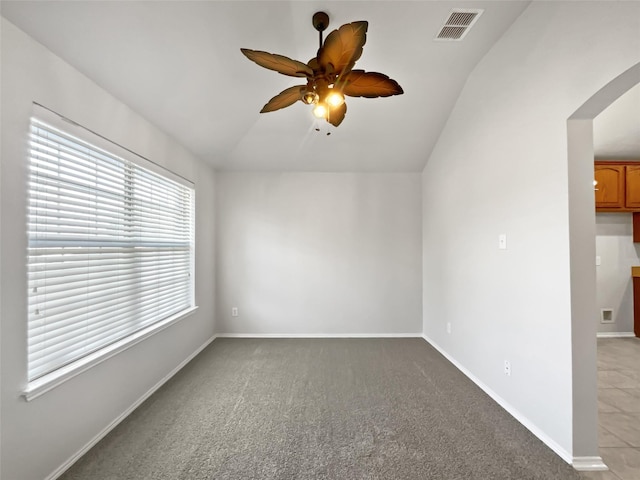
x: 344, y: 409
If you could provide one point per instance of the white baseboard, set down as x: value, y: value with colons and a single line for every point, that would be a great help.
x: 508, y: 407
x: 66, y: 465
x: 589, y: 464
x: 615, y: 334
x: 319, y: 335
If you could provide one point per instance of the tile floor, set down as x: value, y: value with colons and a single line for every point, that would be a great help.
x: 618, y: 409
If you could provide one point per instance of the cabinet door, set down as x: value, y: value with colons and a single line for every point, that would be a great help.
x: 609, y: 187
x: 633, y: 186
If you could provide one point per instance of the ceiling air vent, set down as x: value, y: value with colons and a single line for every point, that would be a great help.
x: 458, y: 24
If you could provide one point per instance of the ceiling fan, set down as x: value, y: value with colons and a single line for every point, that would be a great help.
x: 330, y: 75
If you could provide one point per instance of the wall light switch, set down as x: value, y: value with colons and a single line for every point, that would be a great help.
x: 598, y: 261
x: 448, y: 327
x: 502, y: 241
x: 234, y: 311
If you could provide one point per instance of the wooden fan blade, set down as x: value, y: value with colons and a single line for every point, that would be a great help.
x: 278, y: 63
x: 285, y: 98
x: 343, y: 47
x: 358, y: 83
x: 313, y: 64
x: 336, y: 115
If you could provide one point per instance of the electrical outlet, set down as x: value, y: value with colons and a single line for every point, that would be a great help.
x: 234, y: 311
x: 448, y: 327
x: 507, y: 368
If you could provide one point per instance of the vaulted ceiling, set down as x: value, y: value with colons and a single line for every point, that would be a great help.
x: 616, y: 131
x: 178, y: 63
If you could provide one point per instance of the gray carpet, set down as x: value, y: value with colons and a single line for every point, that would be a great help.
x: 346, y: 409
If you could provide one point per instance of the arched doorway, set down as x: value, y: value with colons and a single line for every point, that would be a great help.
x: 583, y: 275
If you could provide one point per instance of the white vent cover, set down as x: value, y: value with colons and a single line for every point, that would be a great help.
x: 458, y: 24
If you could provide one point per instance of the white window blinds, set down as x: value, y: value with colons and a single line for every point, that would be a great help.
x: 110, y: 248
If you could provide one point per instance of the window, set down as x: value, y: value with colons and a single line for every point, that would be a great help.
x: 110, y: 245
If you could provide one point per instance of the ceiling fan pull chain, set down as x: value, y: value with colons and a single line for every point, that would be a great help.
x: 321, y: 128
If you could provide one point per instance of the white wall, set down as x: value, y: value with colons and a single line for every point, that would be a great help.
x: 39, y: 436
x: 618, y: 253
x: 319, y: 253
x: 501, y: 166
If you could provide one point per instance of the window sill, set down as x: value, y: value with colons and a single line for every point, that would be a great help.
x: 47, y: 382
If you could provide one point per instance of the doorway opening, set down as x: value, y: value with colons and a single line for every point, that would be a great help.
x: 583, y: 275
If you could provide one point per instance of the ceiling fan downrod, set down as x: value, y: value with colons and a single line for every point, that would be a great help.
x: 320, y: 22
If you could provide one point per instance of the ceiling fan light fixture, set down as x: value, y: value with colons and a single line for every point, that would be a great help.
x: 320, y: 110
x: 309, y: 97
x: 335, y: 98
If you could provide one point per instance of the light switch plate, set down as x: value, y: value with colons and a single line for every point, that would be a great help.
x: 502, y: 241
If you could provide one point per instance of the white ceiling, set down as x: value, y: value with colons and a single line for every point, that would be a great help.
x: 179, y: 65
x: 616, y: 131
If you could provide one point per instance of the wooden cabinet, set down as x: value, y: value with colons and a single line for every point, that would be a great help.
x: 635, y: 275
x: 617, y: 186
x: 632, y: 196
x: 617, y: 189
x: 609, y: 186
